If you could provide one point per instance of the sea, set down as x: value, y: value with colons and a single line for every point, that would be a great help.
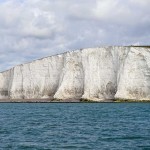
x: 74, y: 126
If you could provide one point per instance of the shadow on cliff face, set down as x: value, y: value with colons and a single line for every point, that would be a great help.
x: 4, y: 93
x: 111, y: 89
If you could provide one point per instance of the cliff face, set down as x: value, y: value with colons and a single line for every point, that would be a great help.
x: 95, y: 74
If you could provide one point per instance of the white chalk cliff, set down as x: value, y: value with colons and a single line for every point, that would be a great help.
x: 95, y: 74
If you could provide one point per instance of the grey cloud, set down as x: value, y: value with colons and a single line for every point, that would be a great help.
x: 32, y: 29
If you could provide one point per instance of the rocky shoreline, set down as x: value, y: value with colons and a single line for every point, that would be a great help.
x: 35, y: 100
x: 68, y: 101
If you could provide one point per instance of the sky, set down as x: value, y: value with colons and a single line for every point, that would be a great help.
x: 32, y: 29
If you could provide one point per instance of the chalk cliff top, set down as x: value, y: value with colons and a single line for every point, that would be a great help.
x: 60, y: 54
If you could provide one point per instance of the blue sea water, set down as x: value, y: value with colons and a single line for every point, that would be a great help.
x: 77, y: 126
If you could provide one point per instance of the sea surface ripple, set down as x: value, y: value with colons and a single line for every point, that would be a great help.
x: 77, y: 126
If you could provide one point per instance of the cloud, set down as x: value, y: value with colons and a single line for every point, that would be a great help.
x: 32, y: 29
